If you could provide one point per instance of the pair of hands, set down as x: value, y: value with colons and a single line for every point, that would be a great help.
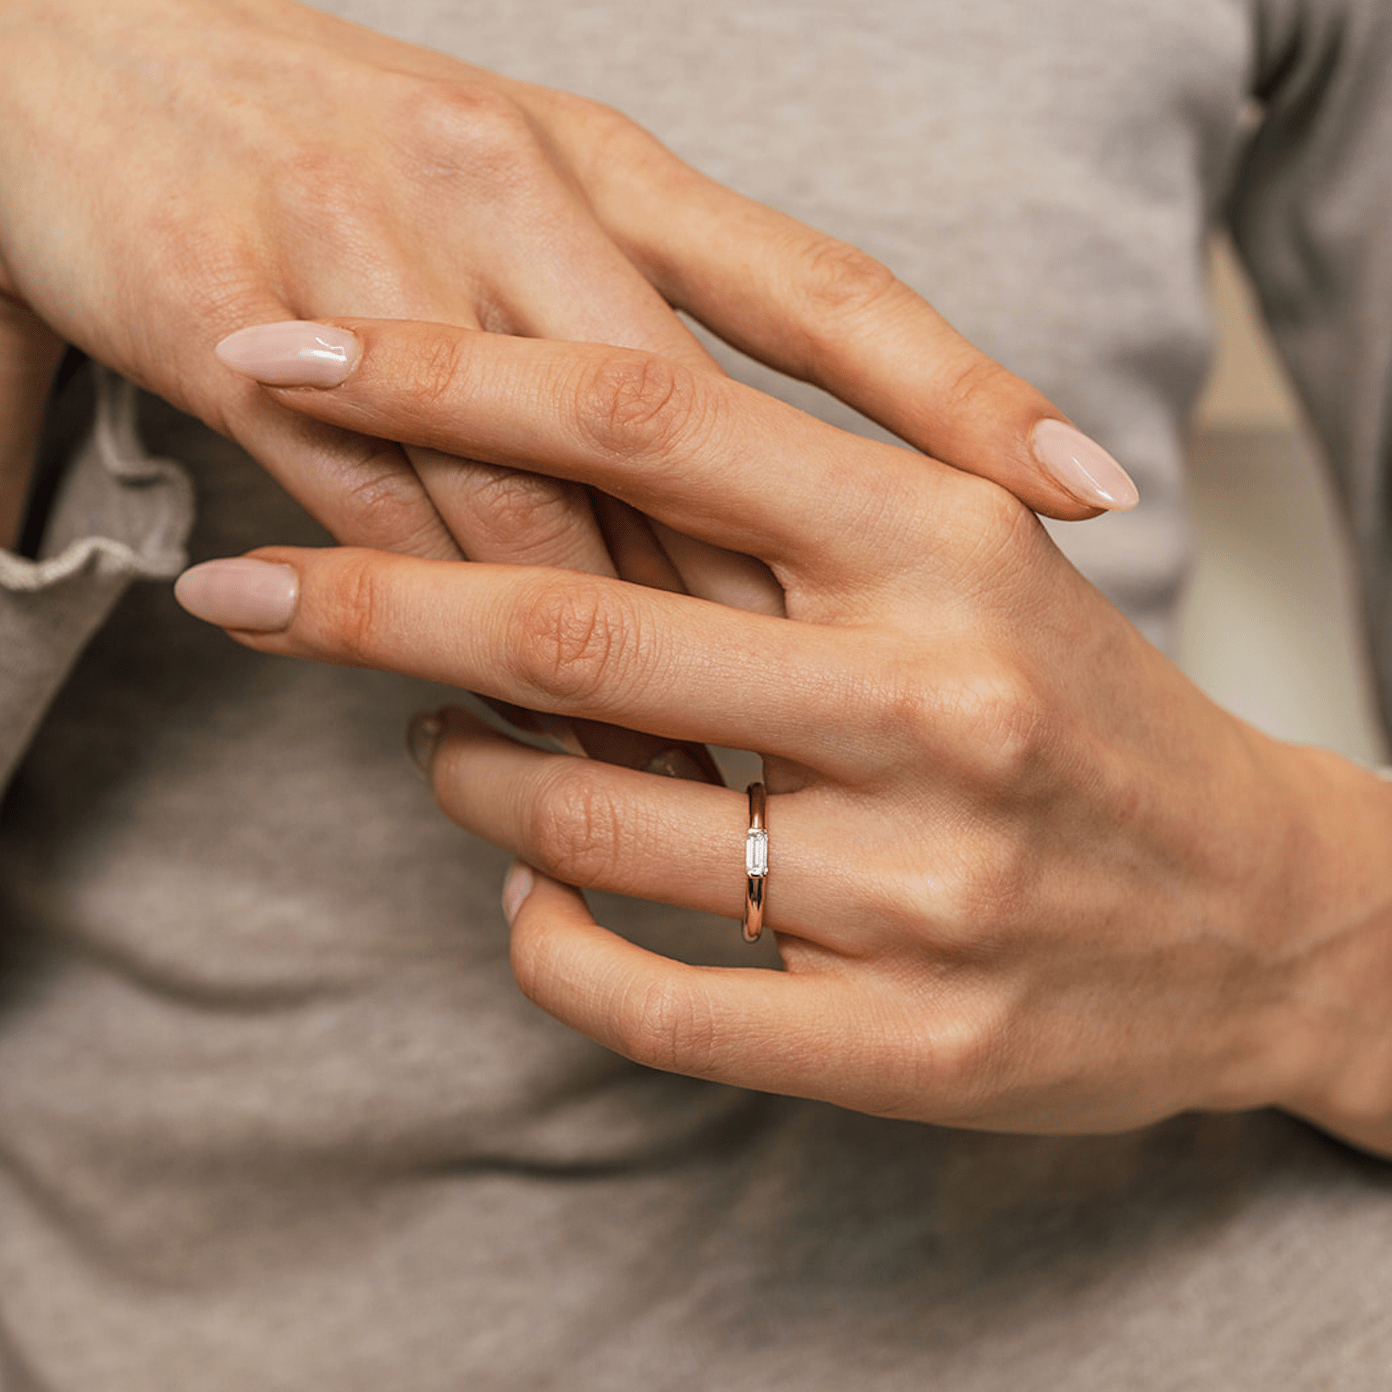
x: 1024, y: 875
x: 177, y: 170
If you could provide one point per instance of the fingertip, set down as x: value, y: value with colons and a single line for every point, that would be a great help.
x: 291, y: 353
x: 1082, y: 468
x: 424, y: 732
x: 240, y: 592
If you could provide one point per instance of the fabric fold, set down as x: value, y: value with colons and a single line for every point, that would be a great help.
x: 119, y: 515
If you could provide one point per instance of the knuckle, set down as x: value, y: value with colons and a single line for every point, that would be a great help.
x: 943, y: 1064
x: 999, y: 535
x: 668, y: 1024
x: 637, y: 404
x: 837, y: 281
x: 524, y: 513
x: 965, y: 1056
x: 574, y: 825
x: 350, y: 614
x: 983, y: 892
x: 438, y: 371
x: 457, y: 130
x: 999, y: 721
x: 381, y: 504
x: 989, y: 719
x: 974, y: 388
x: 574, y: 638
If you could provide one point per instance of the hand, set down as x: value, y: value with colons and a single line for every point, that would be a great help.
x: 1024, y: 875
x: 176, y: 170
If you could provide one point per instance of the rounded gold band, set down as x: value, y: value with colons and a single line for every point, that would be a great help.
x: 756, y: 864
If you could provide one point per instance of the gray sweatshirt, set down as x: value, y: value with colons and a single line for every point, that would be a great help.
x: 273, y: 1114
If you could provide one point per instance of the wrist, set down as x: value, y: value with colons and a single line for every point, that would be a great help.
x: 1336, y: 1017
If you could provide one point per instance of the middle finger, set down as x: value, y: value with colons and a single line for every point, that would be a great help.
x: 572, y: 644
x: 598, y: 826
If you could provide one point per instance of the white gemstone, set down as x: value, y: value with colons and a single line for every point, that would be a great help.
x: 756, y: 853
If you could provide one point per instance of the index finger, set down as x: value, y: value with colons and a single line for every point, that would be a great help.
x: 826, y: 312
x: 704, y: 454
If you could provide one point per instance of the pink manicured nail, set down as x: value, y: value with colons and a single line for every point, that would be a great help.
x: 1083, y: 468
x: 518, y: 885
x: 292, y: 354
x: 257, y: 596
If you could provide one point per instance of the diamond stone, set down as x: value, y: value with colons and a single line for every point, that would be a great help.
x: 756, y: 853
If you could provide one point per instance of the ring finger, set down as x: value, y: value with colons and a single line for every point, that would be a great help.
x: 599, y: 826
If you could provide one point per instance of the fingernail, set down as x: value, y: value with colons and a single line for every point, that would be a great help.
x: 423, y: 736
x: 1083, y: 468
x: 258, y: 596
x: 518, y: 885
x: 676, y: 763
x: 292, y: 354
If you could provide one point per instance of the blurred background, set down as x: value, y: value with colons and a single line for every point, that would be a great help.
x: 1271, y: 626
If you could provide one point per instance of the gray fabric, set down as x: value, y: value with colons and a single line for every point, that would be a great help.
x: 1310, y: 215
x: 119, y: 514
x: 273, y: 1114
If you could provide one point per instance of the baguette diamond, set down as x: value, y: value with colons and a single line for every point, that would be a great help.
x: 756, y: 853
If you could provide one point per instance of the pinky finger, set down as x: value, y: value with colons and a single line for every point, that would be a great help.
x: 796, y: 1034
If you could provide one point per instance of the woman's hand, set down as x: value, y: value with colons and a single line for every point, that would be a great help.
x: 177, y: 170
x: 1023, y: 874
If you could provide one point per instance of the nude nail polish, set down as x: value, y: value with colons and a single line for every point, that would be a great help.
x: 296, y: 353
x: 423, y: 736
x: 256, y: 596
x: 519, y: 884
x: 1081, y: 467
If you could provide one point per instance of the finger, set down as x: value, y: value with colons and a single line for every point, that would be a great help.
x: 362, y: 489
x: 800, y: 1034
x: 516, y: 518
x: 823, y: 311
x: 845, y: 323
x: 826, y: 312
x: 512, y: 516
x: 29, y: 356
x: 534, y: 288
x: 419, y: 501
x: 673, y: 841
x: 703, y: 454
x: 711, y: 572
x: 578, y: 645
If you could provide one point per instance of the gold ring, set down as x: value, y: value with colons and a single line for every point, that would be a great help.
x: 756, y: 865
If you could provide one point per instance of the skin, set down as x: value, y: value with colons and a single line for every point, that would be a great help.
x: 1025, y: 875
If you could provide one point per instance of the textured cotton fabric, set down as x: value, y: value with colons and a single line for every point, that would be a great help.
x: 273, y: 1114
